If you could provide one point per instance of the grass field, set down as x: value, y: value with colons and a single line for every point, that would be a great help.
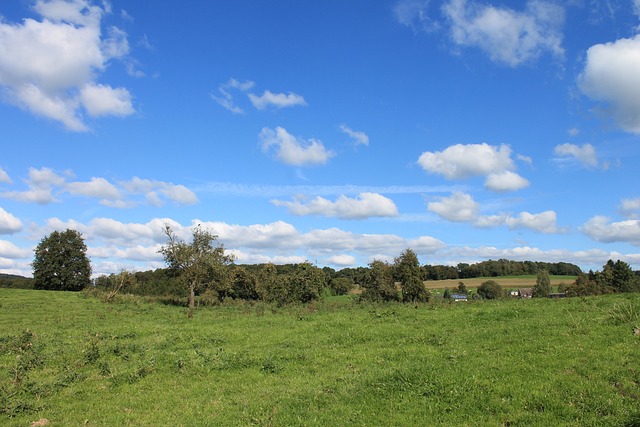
x: 507, y: 282
x: 76, y: 361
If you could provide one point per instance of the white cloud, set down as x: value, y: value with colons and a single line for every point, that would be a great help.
x: 459, y: 207
x: 226, y: 100
x: 463, y: 161
x: 505, y: 181
x: 4, y: 177
x: 342, y: 260
x: 11, y: 251
x: 277, y: 100
x: 40, y: 187
x: 612, y: 75
x: 414, y: 14
x: 179, y: 194
x: 365, y: 205
x: 44, y: 65
x: 630, y: 208
x: 97, y: 187
x: 585, y: 154
x: 360, y: 138
x: 602, y: 229
x: 9, y: 224
x: 293, y: 151
x: 544, y: 222
x: 43, y: 183
x: 507, y: 36
x: 101, y: 100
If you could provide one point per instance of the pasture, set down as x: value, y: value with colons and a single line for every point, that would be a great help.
x: 507, y: 282
x: 68, y: 359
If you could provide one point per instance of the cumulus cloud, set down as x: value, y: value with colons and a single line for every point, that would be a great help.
x: 46, y: 186
x: 585, y: 154
x: 342, y: 260
x: 505, y: 181
x: 459, y: 207
x: 9, y: 224
x: 630, y: 208
x: 98, y: 187
x: 365, y: 205
x: 4, y: 177
x: 40, y: 183
x: 276, y: 100
x: 507, y: 36
x: 359, y: 137
x: 612, y: 75
x: 293, y: 151
x: 463, y: 161
x: 11, y: 251
x: 602, y: 229
x: 544, y: 222
x: 49, y: 67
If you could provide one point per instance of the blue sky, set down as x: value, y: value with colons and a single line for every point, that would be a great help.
x: 336, y: 132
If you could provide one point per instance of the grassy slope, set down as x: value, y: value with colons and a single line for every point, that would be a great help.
x: 535, y: 362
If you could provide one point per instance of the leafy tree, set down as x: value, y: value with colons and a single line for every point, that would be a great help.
x: 407, y: 271
x: 542, y: 288
x: 196, y: 261
x: 462, y: 288
x: 341, y: 285
x: 378, y: 284
x: 244, y: 284
x: 490, y: 290
x: 619, y: 277
x: 61, y: 262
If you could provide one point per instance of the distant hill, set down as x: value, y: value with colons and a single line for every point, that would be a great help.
x: 15, y: 281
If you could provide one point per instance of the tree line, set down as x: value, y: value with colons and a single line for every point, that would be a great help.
x: 200, y: 271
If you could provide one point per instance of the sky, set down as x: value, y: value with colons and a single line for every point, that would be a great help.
x: 335, y: 132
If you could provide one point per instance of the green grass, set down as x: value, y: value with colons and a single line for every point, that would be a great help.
x: 74, y: 360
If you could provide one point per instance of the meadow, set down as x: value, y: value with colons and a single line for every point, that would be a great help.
x: 507, y: 282
x: 69, y: 359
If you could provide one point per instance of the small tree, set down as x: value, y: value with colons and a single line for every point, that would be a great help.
x: 462, y: 288
x: 378, y: 284
x: 407, y: 270
x: 341, y: 285
x: 61, y: 263
x: 490, y: 290
x: 196, y: 260
x: 542, y: 289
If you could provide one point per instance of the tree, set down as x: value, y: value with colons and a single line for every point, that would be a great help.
x: 197, y: 261
x: 61, y: 262
x: 490, y: 290
x: 542, y: 288
x: 341, y: 285
x: 462, y: 288
x: 407, y: 271
x: 378, y: 284
x: 619, y: 277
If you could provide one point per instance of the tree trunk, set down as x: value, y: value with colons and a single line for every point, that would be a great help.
x: 192, y: 299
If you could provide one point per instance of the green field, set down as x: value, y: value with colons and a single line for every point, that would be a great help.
x: 507, y: 282
x: 76, y: 361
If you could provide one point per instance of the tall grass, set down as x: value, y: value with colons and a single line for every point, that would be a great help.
x: 74, y: 360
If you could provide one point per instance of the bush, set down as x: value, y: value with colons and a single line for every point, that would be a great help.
x: 490, y: 290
